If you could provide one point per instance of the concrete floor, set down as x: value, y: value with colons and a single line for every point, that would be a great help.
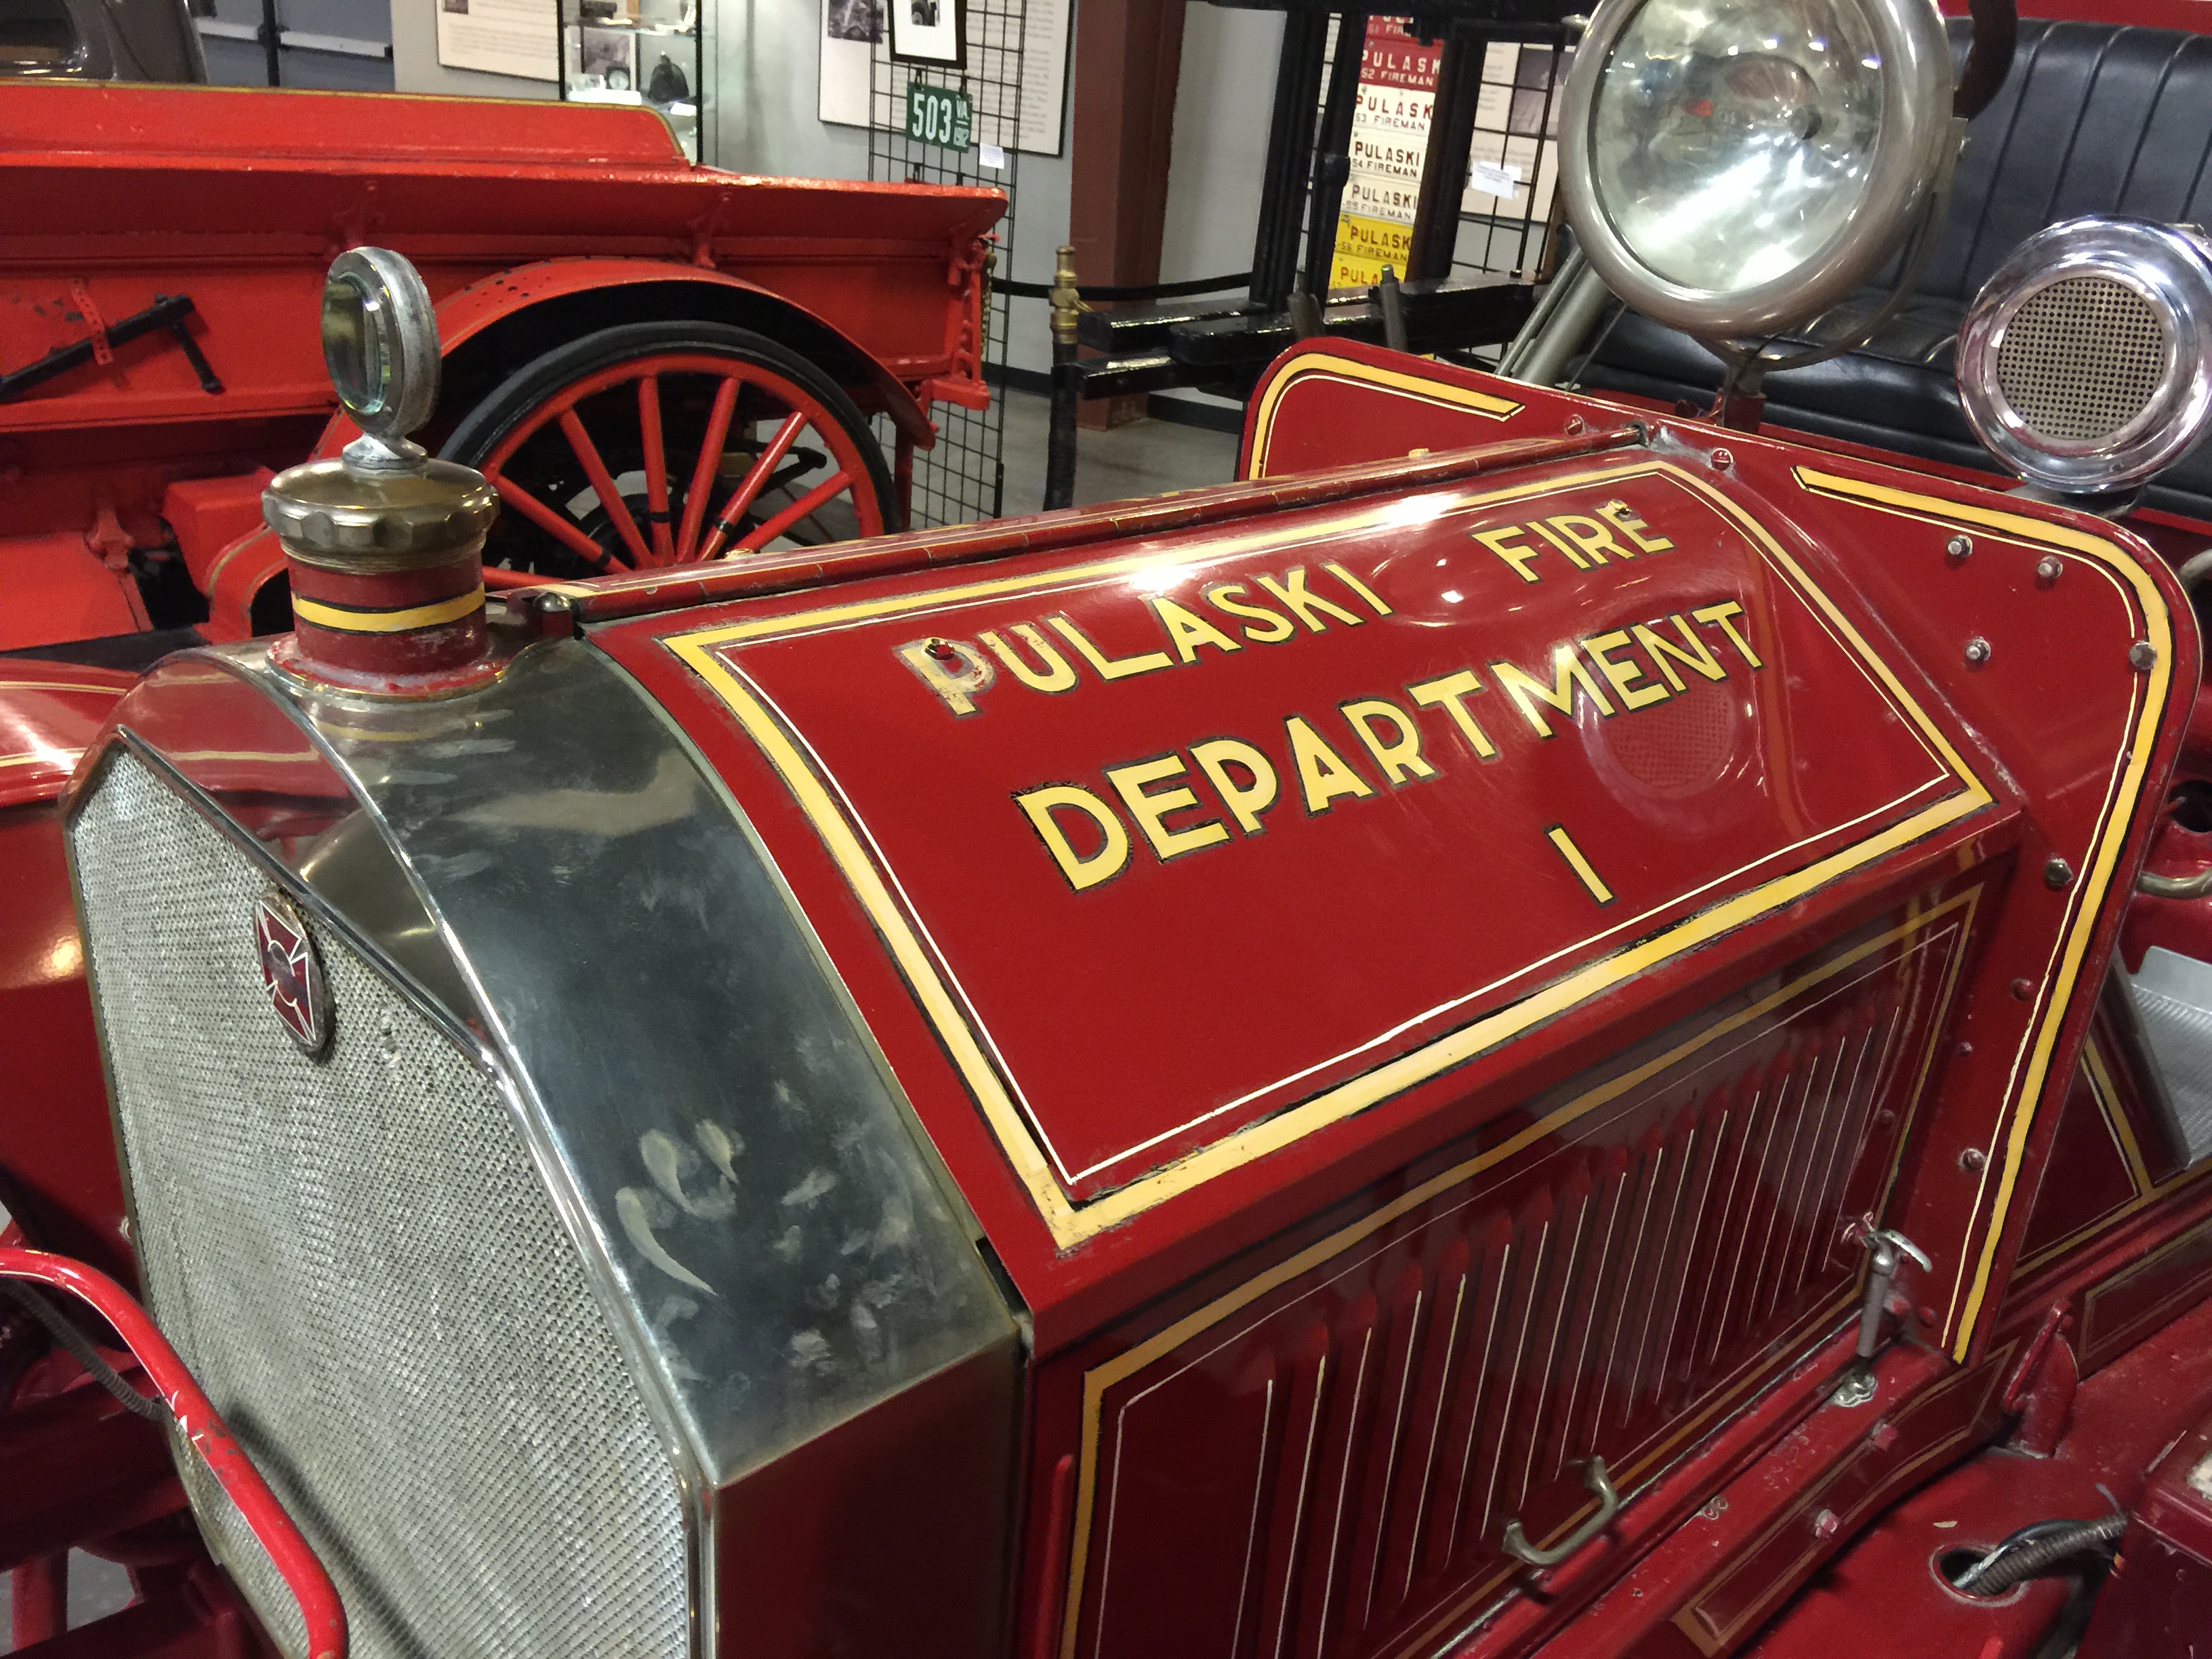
x: 1145, y: 457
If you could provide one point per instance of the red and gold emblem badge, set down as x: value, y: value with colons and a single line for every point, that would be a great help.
x: 292, y: 972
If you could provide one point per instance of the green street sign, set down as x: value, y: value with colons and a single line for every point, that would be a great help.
x: 934, y: 116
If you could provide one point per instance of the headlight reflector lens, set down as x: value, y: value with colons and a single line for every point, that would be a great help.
x: 1735, y: 166
x: 1731, y: 145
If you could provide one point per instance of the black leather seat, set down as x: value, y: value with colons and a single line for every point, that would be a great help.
x: 2094, y: 118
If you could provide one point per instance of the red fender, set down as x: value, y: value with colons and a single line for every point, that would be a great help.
x: 464, y: 315
x: 243, y: 566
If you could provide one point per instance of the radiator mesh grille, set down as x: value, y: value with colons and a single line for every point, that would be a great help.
x: 2081, y: 357
x: 357, y: 1261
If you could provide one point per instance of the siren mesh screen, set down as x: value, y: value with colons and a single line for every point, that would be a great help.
x: 357, y: 1261
x: 2081, y: 358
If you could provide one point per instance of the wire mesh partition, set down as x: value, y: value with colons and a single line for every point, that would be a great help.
x: 1516, y: 144
x: 963, y: 477
x: 1506, y: 214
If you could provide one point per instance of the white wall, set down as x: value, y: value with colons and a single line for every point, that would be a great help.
x: 764, y: 65
x: 1223, y: 105
x: 767, y: 60
x: 415, y: 66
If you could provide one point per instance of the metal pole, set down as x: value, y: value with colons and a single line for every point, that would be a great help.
x: 272, y: 42
x: 1565, y: 330
x: 1066, y: 389
x: 1290, y: 143
x: 1443, y: 168
x: 1333, y: 151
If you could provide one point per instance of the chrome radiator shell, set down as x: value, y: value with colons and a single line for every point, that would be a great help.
x: 543, y: 873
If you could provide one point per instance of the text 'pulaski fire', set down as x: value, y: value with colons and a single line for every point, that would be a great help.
x: 1180, y: 800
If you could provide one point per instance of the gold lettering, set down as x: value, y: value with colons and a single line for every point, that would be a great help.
x: 1247, y: 801
x: 1662, y: 647
x: 1396, y: 760
x: 1323, y: 773
x: 1280, y: 627
x: 1451, y: 694
x: 1574, y: 555
x: 1302, y: 604
x: 954, y: 668
x: 1057, y: 674
x: 1622, y: 517
x: 1081, y: 871
x: 1623, y: 675
x: 1110, y: 668
x: 1151, y: 810
x: 1560, y: 838
x: 1373, y: 598
x: 1500, y: 542
x: 1594, y: 539
x: 1187, y: 630
x: 1526, y: 693
x: 1719, y: 615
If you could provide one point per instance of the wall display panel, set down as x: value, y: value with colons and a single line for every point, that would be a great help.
x: 857, y: 44
x: 633, y: 51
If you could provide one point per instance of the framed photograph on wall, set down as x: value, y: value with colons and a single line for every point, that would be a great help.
x: 928, y: 31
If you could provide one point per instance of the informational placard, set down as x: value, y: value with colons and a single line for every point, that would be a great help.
x: 1512, y: 166
x: 500, y: 37
x: 1390, y: 141
x: 1516, y: 122
x: 854, y: 31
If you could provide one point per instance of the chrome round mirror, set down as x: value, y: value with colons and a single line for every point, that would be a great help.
x: 1734, y: 167
x: 381, y: 342
x: 2085, y: 363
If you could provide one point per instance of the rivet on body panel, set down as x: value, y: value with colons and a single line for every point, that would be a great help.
x: 1977, y: 652
x: 2056, y: 873
x: 2049, y: 570
x: 2144, y: 655
x: 1959, y: 547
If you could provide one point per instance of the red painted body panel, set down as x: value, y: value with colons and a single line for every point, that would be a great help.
x: 1365, y: 1154
x: 240, y: 199
x: 1242, y: 1324
x: 2159, y: 1596
x: 55, y: 1142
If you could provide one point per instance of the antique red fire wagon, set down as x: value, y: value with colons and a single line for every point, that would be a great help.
x: 1533, y: 1028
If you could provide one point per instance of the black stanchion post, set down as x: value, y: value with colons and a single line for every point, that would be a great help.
x: 272, y: 42
x: 1066, y: 385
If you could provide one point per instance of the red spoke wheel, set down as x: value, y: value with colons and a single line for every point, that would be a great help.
x: 670, y: 442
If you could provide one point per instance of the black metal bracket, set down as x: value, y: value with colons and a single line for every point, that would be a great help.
x: 169, y: 313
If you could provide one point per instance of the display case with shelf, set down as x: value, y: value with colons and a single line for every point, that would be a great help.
x: 637, y: 52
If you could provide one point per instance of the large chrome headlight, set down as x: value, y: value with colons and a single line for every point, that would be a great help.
x: 2085, y: 363
x: 1735, y: 166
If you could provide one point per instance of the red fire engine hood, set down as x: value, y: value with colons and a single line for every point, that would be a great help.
x: 1196, y: 846
x: 1199, y: 854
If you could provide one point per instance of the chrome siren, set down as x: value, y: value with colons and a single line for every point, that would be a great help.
x: 2085, y: 363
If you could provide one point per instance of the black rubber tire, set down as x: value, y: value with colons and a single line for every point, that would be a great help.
x: 480, y: 431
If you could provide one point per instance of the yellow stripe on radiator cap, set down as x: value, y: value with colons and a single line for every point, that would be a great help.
x: 342, y: 621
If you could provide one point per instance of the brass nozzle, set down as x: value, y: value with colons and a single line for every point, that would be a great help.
x: 1066, y: 303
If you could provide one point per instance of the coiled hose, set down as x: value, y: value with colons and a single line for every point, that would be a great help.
x: 2032, y: 1552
